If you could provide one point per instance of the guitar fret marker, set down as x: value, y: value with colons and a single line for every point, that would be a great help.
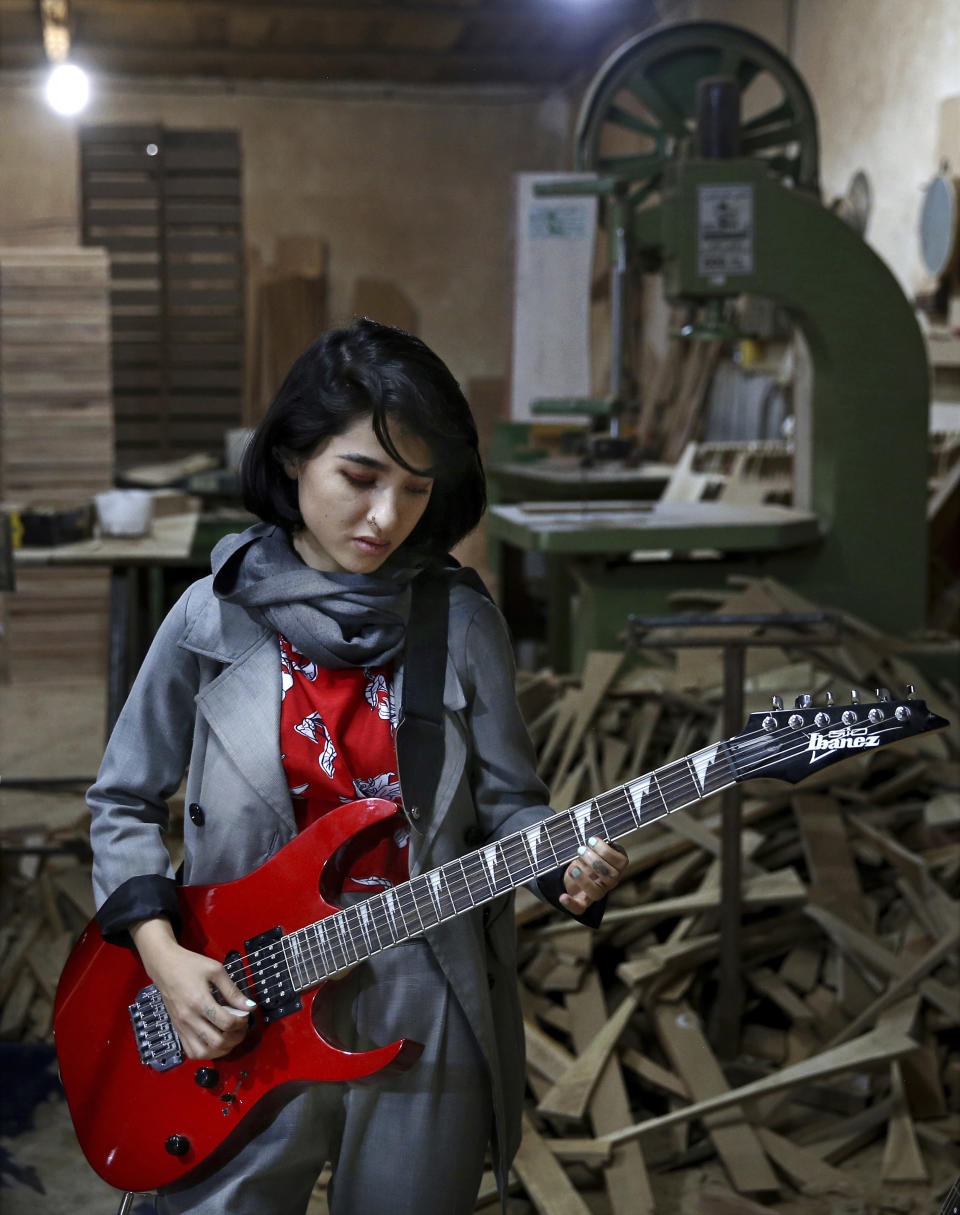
x: 702, y: 761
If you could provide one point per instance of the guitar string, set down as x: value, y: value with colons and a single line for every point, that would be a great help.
x: 359, y: 941
x: 514, y: 851
x: 512, y: 848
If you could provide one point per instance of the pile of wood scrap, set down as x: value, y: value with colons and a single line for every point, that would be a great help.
x: 850, y: 954
x: 45, y: 901
x: 46, y: 896
x: 844, y: 1093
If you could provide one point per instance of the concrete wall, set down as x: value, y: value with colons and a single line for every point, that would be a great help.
x: 408, y: 188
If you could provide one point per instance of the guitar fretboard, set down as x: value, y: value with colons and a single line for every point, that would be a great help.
x: 320, y: 950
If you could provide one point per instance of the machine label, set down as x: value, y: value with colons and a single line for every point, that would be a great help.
x: 724, y: 230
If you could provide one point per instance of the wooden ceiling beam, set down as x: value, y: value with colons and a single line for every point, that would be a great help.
x: 176, y: 60
x: 546, y: 10
x: 604, y: 12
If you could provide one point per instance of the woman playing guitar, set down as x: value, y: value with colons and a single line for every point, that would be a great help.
x: 279, y: 684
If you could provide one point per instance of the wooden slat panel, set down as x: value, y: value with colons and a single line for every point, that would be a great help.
x: 223, y: 186
x: 181, y: 211
x: 146, y: 218
x: 210, y: 354
x: 221, y: 242
x: 223, y: 272
x: 187, y: 405
x: 191, y: 326
x: 204, y: 159
x: 110, y: 189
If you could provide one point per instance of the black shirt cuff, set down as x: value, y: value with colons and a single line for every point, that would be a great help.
x: 139, y: 898
x: 551, y: 887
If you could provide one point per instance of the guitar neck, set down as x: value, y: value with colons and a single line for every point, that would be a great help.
x: 359, y: 931
x: 785, y: 744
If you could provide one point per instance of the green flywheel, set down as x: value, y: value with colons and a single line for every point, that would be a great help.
x: 641, y: 108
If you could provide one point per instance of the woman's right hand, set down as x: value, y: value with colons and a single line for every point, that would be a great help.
x: 209, y: 1025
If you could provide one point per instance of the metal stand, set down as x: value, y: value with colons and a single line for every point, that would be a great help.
x: 724, y: 1027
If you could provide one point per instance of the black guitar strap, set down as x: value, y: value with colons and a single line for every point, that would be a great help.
x: 420, y: 733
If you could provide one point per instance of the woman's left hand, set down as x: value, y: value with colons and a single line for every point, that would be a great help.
x: 592, y: 874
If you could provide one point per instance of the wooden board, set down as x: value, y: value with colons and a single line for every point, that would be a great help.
x: 735, y: 1140
x: 625, y: 1178
x: 879, y: 1046
x: 547, y: 1185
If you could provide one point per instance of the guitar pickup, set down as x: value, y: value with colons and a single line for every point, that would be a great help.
x: 273, y: 987
x: 157, y: 1041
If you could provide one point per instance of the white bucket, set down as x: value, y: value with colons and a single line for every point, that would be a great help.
x: 124, y: 512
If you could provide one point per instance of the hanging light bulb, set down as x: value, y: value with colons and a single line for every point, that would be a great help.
x: 68, y: 88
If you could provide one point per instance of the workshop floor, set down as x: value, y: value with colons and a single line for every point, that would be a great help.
x: 56, y: 730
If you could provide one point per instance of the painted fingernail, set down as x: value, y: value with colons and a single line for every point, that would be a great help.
x: 575, y: 873
x: 581, y: 850
x: 593, y: 841
x: 251, y: 1004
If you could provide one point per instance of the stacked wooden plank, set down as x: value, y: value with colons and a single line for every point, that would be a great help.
x: 56, y: 428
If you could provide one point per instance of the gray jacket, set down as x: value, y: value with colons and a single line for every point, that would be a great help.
x: 207, y: 700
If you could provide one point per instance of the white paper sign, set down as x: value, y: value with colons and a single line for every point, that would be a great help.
x: 553, y: 260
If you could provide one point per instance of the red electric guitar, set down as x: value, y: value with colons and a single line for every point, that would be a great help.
x: 146, y: 1115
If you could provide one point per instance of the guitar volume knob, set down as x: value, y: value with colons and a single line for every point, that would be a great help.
x: 177, y: 1145
x: 207, y: 1077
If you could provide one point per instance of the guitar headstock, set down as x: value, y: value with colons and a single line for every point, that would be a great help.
x: 790, y: 744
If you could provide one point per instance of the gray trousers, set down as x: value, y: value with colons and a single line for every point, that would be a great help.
x: 411, y: 1144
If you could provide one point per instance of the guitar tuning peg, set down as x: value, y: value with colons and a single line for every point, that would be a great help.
x: 777, y: 702
x: 854, y: 696
x: 883, y: 694
x: 911, y: 691
x: 804, y: 701
x: 829, y: 699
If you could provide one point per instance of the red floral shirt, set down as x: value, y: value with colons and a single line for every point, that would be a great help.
x: 337, y: 745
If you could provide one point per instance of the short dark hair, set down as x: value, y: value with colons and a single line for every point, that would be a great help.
x: 369, y: 369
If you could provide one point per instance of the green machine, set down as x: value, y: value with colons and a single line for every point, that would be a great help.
x: 703, y: 139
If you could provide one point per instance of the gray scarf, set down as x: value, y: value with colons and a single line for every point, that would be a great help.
x: 337, y: 620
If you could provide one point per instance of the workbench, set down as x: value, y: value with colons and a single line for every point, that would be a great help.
x: 657, y: 548
x: 132, y: 597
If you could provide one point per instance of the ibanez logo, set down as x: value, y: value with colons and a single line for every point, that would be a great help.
x: 845, y: 738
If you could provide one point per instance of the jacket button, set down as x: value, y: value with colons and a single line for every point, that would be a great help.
x: 196, y: 814
x: 414, y: 812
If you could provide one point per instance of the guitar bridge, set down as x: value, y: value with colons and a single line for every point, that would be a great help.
x: 157, y: 1042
